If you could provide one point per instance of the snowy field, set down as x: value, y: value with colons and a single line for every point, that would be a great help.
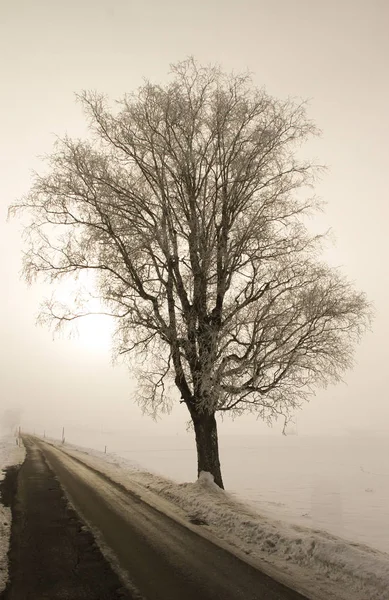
x: 10, y: 454
x: 337, y: 484
x: 320, y: 565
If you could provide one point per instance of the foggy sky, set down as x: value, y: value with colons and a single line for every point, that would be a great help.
x: 334, y: 53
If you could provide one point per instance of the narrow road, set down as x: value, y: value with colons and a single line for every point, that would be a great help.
x: 162, y: 559
x: 52, y: 555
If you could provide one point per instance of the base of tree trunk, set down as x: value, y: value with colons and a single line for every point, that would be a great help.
x: 207, y: 446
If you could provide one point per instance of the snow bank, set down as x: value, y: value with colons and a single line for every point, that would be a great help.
x: 314, y: 562
x: 10, y: 454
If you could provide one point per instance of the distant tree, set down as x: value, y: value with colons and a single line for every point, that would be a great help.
x: 10, y: 418
x: 188, y: 204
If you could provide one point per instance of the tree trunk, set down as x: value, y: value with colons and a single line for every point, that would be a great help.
x: 207, y: 446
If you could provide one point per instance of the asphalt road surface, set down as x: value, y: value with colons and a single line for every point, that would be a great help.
x: 161, y: 558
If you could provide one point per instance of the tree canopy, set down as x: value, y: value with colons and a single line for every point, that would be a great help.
x: 189, y: 203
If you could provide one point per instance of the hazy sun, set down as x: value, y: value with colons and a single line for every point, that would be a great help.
x: 94, y: 333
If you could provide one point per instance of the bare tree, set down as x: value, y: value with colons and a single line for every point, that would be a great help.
x: 188, y: 204
x: 10, y: 418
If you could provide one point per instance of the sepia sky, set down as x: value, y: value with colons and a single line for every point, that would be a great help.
x: 334, y: 53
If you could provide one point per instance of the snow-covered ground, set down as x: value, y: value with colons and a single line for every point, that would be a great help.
x: 10, y: 454
x: 317, y: 563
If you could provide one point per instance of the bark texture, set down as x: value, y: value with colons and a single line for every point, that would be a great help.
x: 207, y: 446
